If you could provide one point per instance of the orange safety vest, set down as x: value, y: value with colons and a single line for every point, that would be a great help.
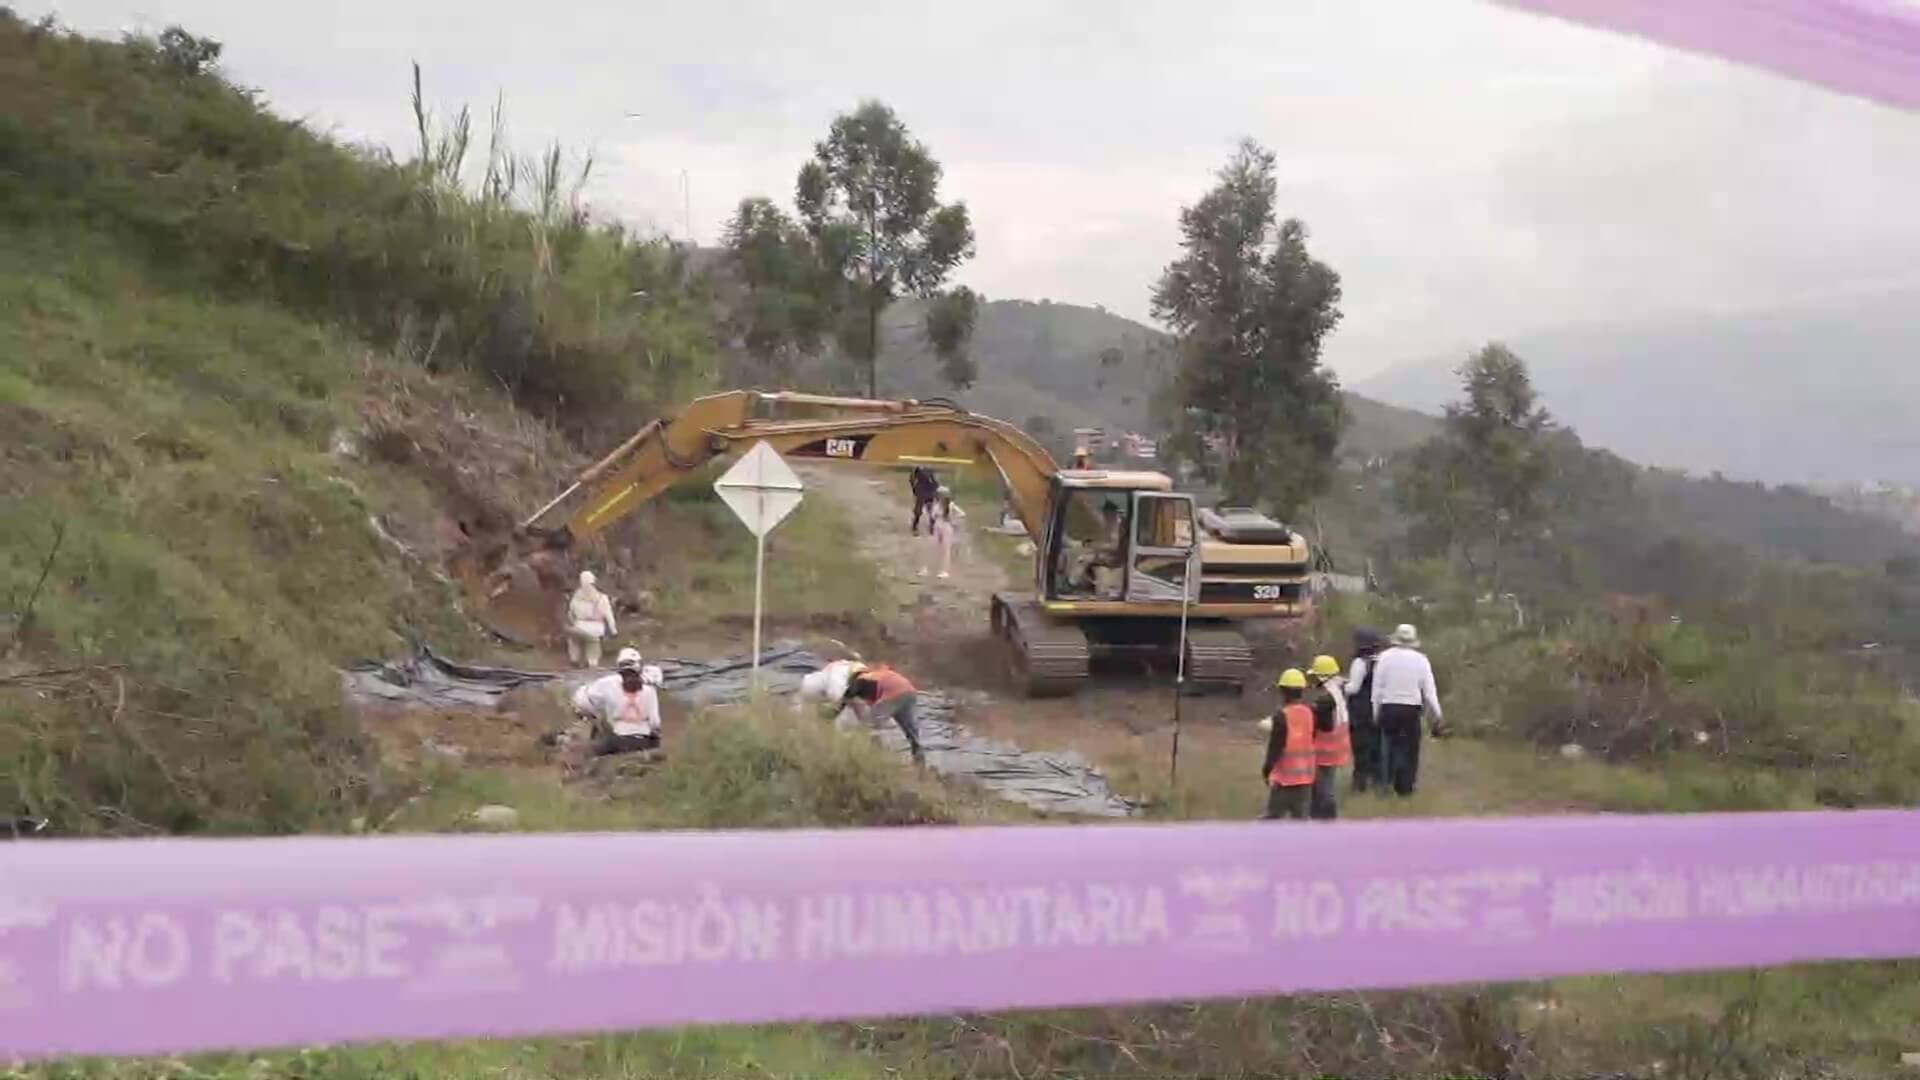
x: 1333, y: 749
x: 1296, y: 763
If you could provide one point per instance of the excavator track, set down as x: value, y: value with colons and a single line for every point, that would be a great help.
x: 1219, y: 656
x: 1049, y: 657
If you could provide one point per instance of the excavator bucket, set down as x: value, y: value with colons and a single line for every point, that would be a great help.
x: 516, y: 583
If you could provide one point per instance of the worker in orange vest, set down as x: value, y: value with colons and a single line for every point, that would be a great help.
x: 1332, y: 738
x: 881, y: 693
x: 1291, y: 758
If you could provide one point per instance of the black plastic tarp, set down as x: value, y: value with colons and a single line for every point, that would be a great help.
x: 1057, y: 783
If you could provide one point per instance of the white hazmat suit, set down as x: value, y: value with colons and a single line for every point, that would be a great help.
x: 589, y: 621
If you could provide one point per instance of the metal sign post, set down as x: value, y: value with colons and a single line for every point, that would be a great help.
x: 1180, y: 669
x: 762, y: 490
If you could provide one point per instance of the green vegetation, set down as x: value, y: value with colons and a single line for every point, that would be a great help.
x: 214, y: 558
x: 218, y: 340
x: 814, y: 570
x: 1567, y: 615
x: 1473, y: 490
x: 1252, y: 406
x: 731, y: 769
x: 1040, y: 359
x: 871, y: 230
x: 507, y: 277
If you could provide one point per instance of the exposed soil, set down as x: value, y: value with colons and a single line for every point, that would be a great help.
x: 944, y: 639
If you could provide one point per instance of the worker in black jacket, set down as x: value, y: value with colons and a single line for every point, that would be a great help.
x: 924, y: 486
x: 1369, y: 756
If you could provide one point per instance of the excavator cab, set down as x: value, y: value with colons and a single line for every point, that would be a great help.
x: 1119, y: 538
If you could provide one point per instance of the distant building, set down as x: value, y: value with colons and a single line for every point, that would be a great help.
x: 1894, y: 502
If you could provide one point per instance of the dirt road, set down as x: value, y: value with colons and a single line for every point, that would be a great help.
x: 950, y: 610
x: 1123, y: 721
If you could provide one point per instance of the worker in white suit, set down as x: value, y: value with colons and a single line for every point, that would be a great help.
x: 589, y: 622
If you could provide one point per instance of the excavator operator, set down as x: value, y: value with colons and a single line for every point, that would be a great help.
x: 1091, y: 565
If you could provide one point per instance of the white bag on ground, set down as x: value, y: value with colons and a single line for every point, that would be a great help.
x: 825, y: 687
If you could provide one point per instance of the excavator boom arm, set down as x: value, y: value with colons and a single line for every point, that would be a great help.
x: 841, y: 430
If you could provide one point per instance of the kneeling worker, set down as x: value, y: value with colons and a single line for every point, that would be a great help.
x: 881, y: 693
x: 1290, y: 764
x: 624, y: 706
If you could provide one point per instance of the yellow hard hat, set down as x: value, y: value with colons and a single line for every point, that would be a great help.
x: 1324, y: 666
x: 1292, y: 679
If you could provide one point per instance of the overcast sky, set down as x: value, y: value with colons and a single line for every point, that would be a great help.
x: 1471, y: 171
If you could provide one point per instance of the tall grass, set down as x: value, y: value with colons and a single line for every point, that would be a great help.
x: 215, y: 559
x: 504, y: 273
x: 189, y: 287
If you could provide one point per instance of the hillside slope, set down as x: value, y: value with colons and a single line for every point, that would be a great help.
x: 1042, y: 361
x: 227, y: 532
x: 1051, y: 360
x: 246, y: 408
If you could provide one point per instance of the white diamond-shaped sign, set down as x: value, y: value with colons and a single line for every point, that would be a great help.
x: 761, y: 488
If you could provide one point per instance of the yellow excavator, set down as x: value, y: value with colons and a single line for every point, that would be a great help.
x: 1113, y: 549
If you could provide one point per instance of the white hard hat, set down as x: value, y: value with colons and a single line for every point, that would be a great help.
x: 628, y: 658
x: 587, y: 578
x: 1406, y: 635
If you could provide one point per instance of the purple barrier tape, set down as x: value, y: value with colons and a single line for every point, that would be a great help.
x: 170, y: 946
x: 1865, y: 47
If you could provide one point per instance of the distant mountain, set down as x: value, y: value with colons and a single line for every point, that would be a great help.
x: 1820, y: 392
x: 1040, y: 367
x: 1042, y: 359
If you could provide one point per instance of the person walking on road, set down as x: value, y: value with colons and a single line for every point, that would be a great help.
x: 1403, y: 688
x: 1290, y: 763
x: 881, y: 693
x: 924, y: 486
x: 589, y: 621
x: 1332, y: 739
x: 1369, y: 757
x: 943, y: 519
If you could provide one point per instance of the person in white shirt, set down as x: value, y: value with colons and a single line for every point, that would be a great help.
x: 943, y: 518
x: 624, y: 706
x: 1403, y: 688
x: 589, y: 619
